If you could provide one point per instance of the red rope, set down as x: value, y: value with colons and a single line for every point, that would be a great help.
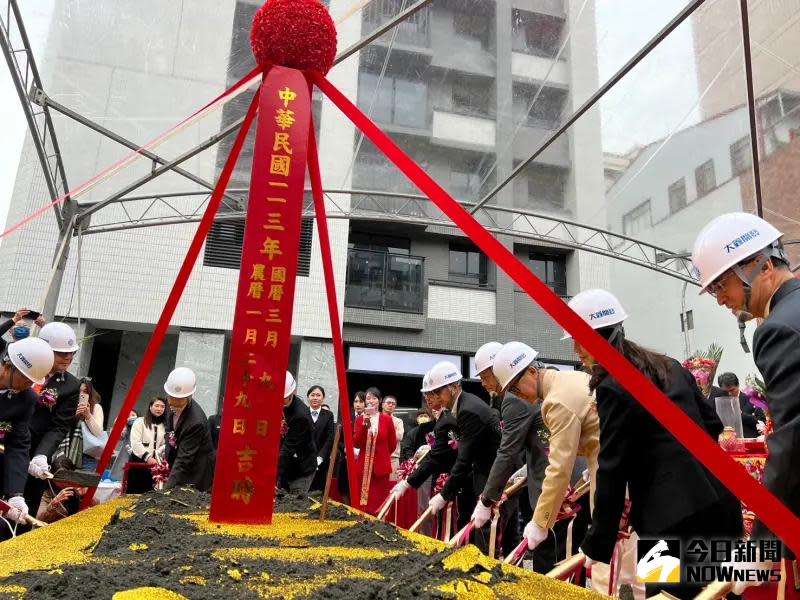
x: 160, y: 332
x: 772, y: 512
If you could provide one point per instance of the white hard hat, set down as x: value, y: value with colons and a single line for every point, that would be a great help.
x: 484, y: 357
x: 181, y: 383
x: 441, y: 374
x: 289, y: 386
x: 511, y: 360
x: 598, y: 308
x: 60, y: 336
x: 728, y: 240
x: 33, y: 357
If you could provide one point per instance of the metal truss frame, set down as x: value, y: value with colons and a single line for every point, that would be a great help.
x: 183, y: 207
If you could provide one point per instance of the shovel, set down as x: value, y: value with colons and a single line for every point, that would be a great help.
x: 5, y: 506
x: 76, y: 478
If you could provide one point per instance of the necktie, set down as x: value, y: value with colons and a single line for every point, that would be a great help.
x: 315, y: 414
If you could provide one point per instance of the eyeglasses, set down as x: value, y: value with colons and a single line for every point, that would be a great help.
x: 716, y: 286
x: 513, y: 386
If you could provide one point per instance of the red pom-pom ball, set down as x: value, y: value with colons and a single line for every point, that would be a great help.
x: 294, y: 33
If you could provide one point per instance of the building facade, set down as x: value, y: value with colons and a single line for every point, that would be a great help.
x: 469, y: 88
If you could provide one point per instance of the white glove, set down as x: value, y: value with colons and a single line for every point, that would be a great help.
x: 481, y: 514
x: 588, y: 562
x: 319, y: 460
x: 534, y: 534
x: 437, y: 503
x: 400, y: 488
x: 519, y: 474
x: 740, y: 586
x: 38, y: 467
x: 18, y: 510
x: 420, y: 450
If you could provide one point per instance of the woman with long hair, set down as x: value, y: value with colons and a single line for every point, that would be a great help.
x: 148, y: 435
x: 375, y: 438
x: 90, y: 411
x: 672, y: 495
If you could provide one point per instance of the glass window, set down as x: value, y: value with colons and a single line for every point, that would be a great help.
x: 741, y: 155
x: 469, y: 97
x: 705, y: 178
x: 677, y: 196
x: 551, y: 269
x: 473, y: 26
x: 410, y: 103
x: 469, y: 262
x: 639, y: 219
x: 536, y: 33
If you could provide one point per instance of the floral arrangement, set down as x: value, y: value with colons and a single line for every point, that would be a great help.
x: 756, y: 392
x: 171, y: 439
x: 441, y: 481
x: 5, y: 427
x: 406, y: 468
x: 703, y: 366
x: 48, y: 398
x: 160, y: 473
x: 430, y: 439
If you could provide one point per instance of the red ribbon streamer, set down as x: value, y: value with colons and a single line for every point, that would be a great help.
x: 89, y: 182
x: 160, y: 331
x: 772, y: 512
x: 333, y: 309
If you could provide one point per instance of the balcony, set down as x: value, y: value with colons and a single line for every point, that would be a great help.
x: 532, y: 67
x: 451, y: 129
x: 383, y: 281
x: 414, y: 31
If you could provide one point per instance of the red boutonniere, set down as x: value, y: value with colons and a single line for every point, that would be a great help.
x: 48, y: 398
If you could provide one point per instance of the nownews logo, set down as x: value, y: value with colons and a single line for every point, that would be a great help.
x: 704, y: 561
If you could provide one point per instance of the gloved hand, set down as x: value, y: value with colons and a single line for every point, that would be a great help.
x: 519, y: 474
x: 18, y: 510
x: 588, y: 562
x: 437, y: 503
x: 420, y: 450
x: 319, y: 460
x: 38, y: 467
x: 481, y: 514
x: 534, y: 534
x: 400, y: 488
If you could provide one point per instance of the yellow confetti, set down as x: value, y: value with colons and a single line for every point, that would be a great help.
x: 284, y: 525
x: 55, y: 572
x: 148, y: 593
x: 235, y: 574
x: 193, y: 580
x: 305, y: 554
x: 467, y: 590
x: 138, y: 547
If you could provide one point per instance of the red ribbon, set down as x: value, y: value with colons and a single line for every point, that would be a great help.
x: 249, y: 443
x: 772, y: 512
x: 151, y: 352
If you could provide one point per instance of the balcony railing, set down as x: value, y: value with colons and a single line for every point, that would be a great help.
x: 383, y: 281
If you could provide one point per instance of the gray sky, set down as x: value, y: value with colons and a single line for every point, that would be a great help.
x: 646, y: 105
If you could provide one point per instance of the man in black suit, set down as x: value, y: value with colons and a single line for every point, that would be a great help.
x: 190, y: 454
x: 298, y: 456
x: 54, y: 416
x: 742, y: 262
x: 729, y: 386
x: 26, y: 362
x: 477, y: 442
x: 323, y: 428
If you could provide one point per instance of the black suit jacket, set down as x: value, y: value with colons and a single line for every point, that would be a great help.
x: 49, y: 426
x: 298, y: 456
x: 214, y: 425
x: 441, y: 457
x: 414, y: 438
x: 323, y: 434
x: 478, y: 440
x: 750, y: 414
x: 776, y: 349
x: 666, y: 484
x: 16, y: 411
x: 192, y: 459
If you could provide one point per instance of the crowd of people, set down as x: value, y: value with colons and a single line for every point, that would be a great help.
x: 558, y: 429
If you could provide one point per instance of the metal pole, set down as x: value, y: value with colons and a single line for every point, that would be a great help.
x: 49, y: 301
x: 751, y: 106
x: 44, y: 100
x: 594, y: 98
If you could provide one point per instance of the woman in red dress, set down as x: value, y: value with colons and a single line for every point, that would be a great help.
x: 375, y: 438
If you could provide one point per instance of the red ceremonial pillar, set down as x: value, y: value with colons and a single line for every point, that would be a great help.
x: 249, y: 443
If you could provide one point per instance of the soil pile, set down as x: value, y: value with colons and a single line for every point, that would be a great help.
x: 161, y: 546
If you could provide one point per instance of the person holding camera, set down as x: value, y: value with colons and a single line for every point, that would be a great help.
x: 19, y: 325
